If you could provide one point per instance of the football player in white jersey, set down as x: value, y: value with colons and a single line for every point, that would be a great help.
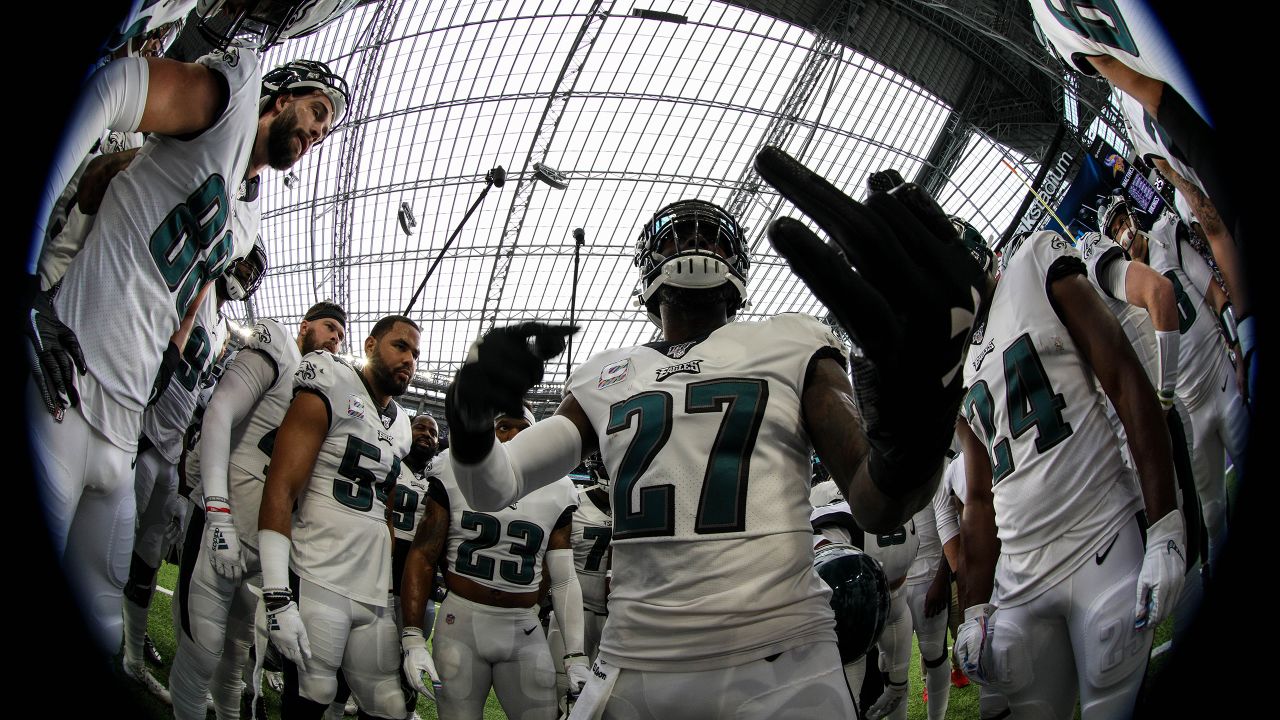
x: 324, y: 530
x: 707, y: 436
x: 161, y: 237
x: 1063, y: 604
x: 1205, y: 380
x: 164, y: 426
x: 1124, y: 42
x: 494, y: 562
x: 213, y: 605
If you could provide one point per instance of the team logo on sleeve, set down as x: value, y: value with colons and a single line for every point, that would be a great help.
x: 262, y: 334
x: 306, y: 371
x: 355, y: 407
x: 614, y: 373
x: 693, y: 367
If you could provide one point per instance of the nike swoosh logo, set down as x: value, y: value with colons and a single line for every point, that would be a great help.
x: 1102, y: 556
x: 530, y: 630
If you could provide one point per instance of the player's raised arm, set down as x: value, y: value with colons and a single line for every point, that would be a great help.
x: 910, y: 307
x: 499, y: 370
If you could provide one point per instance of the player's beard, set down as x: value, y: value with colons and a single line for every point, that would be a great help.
x: 281, y: 153
x: 309, y: 342
x: 384, y: 379
x: 419, y: 455
x: 694, y: 301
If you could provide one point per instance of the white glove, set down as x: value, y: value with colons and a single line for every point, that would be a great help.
x: 889, y: 700
x: 417, y: 662
x: 1163, y: 569
x: 972, y: 639
x: 285, y: 626
x: 221, y: 539
x: 579, y: 672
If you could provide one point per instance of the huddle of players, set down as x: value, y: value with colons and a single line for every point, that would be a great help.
x: 710, y: 493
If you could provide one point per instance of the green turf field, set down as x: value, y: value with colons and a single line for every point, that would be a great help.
x: 963, y: 704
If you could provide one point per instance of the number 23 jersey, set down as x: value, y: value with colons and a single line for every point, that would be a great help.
x: 502, y: 550
x: 340, y: 537
x: 1058, y: 480
x: 712, y: 555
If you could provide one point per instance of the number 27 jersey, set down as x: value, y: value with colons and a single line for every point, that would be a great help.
x: 340, y: 537
x: 712, y: 555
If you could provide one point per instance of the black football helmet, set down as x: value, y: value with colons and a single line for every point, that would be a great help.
x: 691, y: 223
x: 859, y: 596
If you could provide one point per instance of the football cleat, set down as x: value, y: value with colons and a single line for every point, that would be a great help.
x: 150, y: 653
x: 138, y: 674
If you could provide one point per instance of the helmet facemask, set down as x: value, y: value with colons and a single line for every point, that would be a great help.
x: 243, y: 277
x: 691, y: 245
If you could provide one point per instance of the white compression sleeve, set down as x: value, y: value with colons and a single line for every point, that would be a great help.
x: 114, y: 98
x: 1111, y: 277
x: 273, y: 549
x: 247, y: 379
x: 536, y: 457
x: 1167, y: 342
x: 566, y: 597
x: 944, y: 510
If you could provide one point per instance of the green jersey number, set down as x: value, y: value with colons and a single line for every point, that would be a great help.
x: 406, y: 505
x: 195, y: 355
x: 357, y: 486
x: 529, y: 539
x: 600, y: 538
x: 722, y: 504
x: 185, y: 233
x: 1097, y: 20
x: 1030, y: 402
x: 1186, y: 306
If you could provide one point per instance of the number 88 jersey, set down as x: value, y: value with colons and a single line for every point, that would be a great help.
x: 1056, y: 467
x: 340, y: 536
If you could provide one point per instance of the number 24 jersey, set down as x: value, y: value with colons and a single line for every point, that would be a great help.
x: 1056, y: 467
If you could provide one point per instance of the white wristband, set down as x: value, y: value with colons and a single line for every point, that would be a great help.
x: 1167, y: 342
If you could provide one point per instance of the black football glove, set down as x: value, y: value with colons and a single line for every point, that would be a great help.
x: 57, y: 355
x: 498, y: 372
x: 910, y: 306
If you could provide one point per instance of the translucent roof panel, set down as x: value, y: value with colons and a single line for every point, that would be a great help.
x: 635, y: 113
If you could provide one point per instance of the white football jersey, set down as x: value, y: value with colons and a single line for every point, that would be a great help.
x: 163, y: 230
x: 502, y: 550
x: 1202, y: 356
x: 591, y: 535
x: 166, y: 422
x: 1127, y: 30
x: 410, y: 501
x: 340, y: 536
x: 712, y: 555
x: 1058, y: 479
x: 925, y: 564
x: 1150, y: 140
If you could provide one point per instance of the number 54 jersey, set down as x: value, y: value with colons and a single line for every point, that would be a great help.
x: 1060, y: 487
x: 712, y: 555
x: 340, y: 537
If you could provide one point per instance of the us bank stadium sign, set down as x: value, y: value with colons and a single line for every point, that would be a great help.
x: 1051, y: 189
